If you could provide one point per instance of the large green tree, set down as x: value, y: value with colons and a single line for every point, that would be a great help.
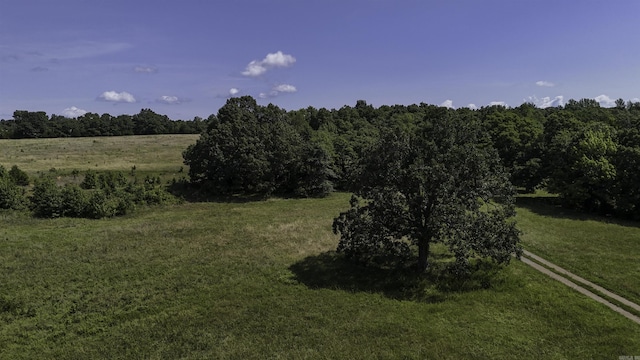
x: 441, y: 183
x: 253, y: 149
x: 582, y: 164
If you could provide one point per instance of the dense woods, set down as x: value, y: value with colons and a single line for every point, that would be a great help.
x: 587, y: 154
x: 36, y: 124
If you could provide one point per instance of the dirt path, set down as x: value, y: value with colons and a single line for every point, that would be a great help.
x: 563, y: 279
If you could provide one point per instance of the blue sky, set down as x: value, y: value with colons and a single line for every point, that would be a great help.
x: 184, y: 58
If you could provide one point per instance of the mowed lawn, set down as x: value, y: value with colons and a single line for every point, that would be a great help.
x: 601, y: 249
x: 260, y: 280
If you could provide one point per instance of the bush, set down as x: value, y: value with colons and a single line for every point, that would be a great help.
x: 74, y: 201
x: 111, y: 181
x: 18, y: 176
x: 101, y: 205
x: 46, y: 200
x: 11, y: 196
x: 99, y: 196
x: 90, y: 180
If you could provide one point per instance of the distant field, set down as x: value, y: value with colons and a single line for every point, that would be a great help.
x: 255, y: 280
x: 158, y: 153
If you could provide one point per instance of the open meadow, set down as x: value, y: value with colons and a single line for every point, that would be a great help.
x: 149, y: 154
x: 257, y: 280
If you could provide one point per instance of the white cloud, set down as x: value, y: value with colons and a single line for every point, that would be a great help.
x: 278, y: 59
x: 273, y: 60
x: 255, y: 68
x: 635, y: 100
x: 233, y: 91
x: 285, y: 88
x: 168, y: 99
x: 472, y: 106
x: 546, y: 101
x: 73, y: 112
x: 145, y: 69
x: 277, y: 90
x: 447, y: 104
x: 555, y: 102
x: 497, y: 103
x: 113, y: 96
x: 545, y: 83
x: 605, y: 100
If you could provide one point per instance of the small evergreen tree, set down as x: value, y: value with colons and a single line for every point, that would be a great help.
x: 18, y: 176
x: 12, y: 196
x: 46, y: 200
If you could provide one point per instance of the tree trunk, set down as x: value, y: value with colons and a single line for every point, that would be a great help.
x: 423, y: 255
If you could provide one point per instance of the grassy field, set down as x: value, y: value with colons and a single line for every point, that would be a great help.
x: 603, y: 250
x: 152, y: 154
x: 260, y: 280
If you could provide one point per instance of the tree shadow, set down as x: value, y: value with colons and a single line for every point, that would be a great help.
x: 551, y: 207
x: 195, y: 194
x: 399, y: 281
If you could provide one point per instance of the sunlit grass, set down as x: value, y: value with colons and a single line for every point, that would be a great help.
x: 260, y: 280
x: 603, y: 250
x: 158, y: 153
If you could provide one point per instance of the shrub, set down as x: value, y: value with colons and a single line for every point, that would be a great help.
x: 46, y: 200
x: 11, y: 195
x: 18, y: 176
x: 90, y: 180
x: 110, y: 181
x: 101, y: 205
x: 74, y: 201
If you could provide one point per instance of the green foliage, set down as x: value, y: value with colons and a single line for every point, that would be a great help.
x: 583, y: 171
x: 75, y: 201
x: 28, y: 124
x: 90, y: 180
x: 315, y: 174
x: 111, y: 180
x: 18, y: 176
x: 12, y: 193
x: 441, y: 184
x: 103, y: 195
x: 46, y: 199
x: 264, y: 150
x: 103, y: 205
x: 516, y: 134
x: 251, y: 149
x: 12, y: 196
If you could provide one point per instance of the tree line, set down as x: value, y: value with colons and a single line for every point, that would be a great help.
x: 587, y: 154
x: 37, y: 124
